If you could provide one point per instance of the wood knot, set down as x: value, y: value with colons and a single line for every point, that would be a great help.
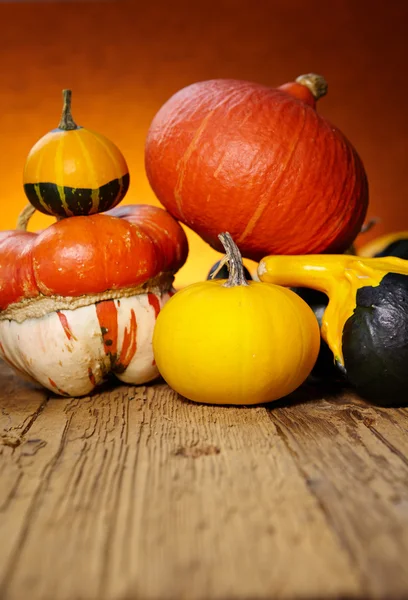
x: 13, y: 440
x: 368, y: 421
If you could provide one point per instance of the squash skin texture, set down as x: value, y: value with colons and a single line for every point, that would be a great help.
x: 259, y: 163
x: 379, y: 320
x: 92, y: 254
x: 235, y: 345
x: 166, y: 233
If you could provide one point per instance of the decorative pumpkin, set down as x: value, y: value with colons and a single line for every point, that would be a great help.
x: 259, y: 162
x: 366, y: 321
x: 74, y: 171
x: 79, y: 300
x: 389, y: 244
x: 233, y: 341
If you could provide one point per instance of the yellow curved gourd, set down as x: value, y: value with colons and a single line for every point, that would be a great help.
x: 234, y: 342
x: 338, y: 276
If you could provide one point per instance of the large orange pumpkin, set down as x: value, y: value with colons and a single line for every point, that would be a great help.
x: 260, y: 163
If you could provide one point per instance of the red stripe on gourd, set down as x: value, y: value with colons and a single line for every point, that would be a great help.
x: 91, y: 376
x: 58, y: 389
x: 129, y: 344
x: 65, y: 325
x: 154, y: 302
x: 108, y: 321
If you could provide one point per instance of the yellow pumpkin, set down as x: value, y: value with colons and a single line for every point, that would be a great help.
x: 233, y: 341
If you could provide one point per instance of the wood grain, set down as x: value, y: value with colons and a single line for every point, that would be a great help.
x: 135, y: 493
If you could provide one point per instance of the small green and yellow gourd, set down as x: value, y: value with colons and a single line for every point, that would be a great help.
x: 73, y: 171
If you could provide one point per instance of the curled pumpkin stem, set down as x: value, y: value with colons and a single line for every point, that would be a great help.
x: 234, y: 258
x: 24, y: 217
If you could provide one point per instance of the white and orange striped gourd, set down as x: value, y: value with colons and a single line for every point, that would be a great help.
x: 80, y: 299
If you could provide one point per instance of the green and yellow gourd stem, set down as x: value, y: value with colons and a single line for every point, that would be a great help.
x: 338, y: 276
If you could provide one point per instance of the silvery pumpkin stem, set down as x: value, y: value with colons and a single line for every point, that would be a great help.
x: 67, y: 123
x: 234, y: 259
x: 24, y: 217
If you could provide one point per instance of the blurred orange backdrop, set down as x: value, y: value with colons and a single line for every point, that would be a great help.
x: 123, y: 60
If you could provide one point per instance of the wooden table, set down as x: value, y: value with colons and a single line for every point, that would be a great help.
x: 135, y: 493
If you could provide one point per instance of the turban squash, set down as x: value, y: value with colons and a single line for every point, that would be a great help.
x: 79, y: 300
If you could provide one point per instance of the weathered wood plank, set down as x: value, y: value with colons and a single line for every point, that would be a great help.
x: 136, y: 493
x: 20, y: 405
x: 354, y: 460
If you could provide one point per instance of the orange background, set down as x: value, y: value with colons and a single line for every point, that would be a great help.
x: 124, y: 59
